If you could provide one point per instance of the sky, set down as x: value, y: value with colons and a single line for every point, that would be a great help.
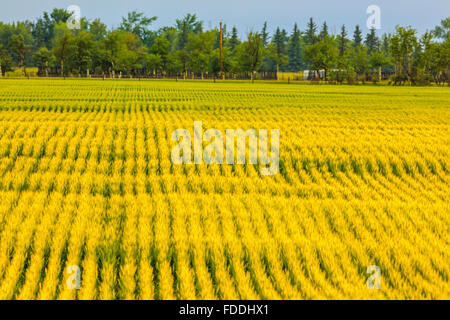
x: 247, y: 15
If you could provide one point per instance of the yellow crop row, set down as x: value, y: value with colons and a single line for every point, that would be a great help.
x: 92, y: 207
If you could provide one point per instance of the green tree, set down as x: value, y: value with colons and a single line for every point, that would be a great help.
x: 98, y: 30
x: 277, y: 50
x: 265, y: 35
x: 324, y: 32
x: 122, y: 52
x: 251, y: 54
x: 189, y: 24
x: 378, y: 60
x: 423, y: 57
x: 81, y: 52
x: 43, y: 58
x: 439, y: 66
x: 110, y: 48
x: 357, y: 37
x: 310, y: 34
x: 385, y: 39
x: 131, y: 54
x: 60, y: 15
x: 62, y: 47
x: 284, y: 41
x: 234, y: 40
x: 342, y: 40
x: 137, y: 23
x: 344, y: 67
x: 20, y: 49
x: 224, y: 36
x: 359, y: 61
x: 372, y: 42
x: 443, y: 31
x: 5, y: 61
x: 199, y: 48
x: 322, y: 55
x: 154, y: 63
x: 178, y: 62
x: 42, y: 31
x: 161, y: 48
x: 295, y: 47
x: 402, y: 50
x: 227, y: 61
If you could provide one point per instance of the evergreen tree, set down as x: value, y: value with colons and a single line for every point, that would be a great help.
x: 42, y: 31
x: 372, y: 41
x: 234, y: 40
x: 385, y: 43
x: 280, y: 40
x: 294, y: 51
x: 267, y: 64
x: 342, y: 41
x: 284, y: 40
x: 324, y: 32
x: 310, y: 36
x: 357, y: 36
x: 277, y: 49
x: 265, y: 34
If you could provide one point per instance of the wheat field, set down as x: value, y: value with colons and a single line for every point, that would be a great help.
x: 86, y: 180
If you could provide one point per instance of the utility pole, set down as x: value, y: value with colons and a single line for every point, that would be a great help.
x: 221, y: 51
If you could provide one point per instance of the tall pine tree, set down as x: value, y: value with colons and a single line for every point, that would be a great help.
x: 265, y: 35
x: 295, y: 51
x: 267, y: 62
x: 310, y: 34
x: 372, y: 41
x: 234, y: 40
x: 324, y: 32
x: 278, y: 49
x: 279, y: 40
x: 285, y: 40
x: 342, y: 41
x: 385, y: 43
x: 357, y: 37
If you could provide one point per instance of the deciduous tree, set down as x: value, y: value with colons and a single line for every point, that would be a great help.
x: 322, y: 55
x: 251, y: 54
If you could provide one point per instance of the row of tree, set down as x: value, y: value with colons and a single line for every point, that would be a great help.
x: 187, y: 49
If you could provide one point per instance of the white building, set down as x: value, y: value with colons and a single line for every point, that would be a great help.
x: 311, y: 74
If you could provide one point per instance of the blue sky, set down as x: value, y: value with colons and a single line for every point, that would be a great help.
x: 247, y: 14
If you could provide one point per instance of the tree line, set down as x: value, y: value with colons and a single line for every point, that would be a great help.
x: 187, y: 49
